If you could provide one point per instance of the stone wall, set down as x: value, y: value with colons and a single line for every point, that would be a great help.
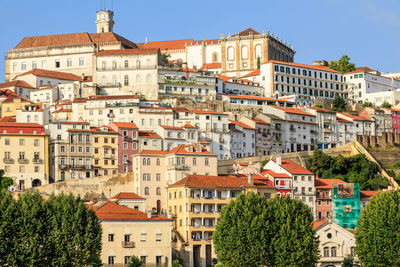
x: 91, y: 188
x: 387, y: 140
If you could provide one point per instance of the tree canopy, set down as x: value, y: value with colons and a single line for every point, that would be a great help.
x: 165, y: 58
x: 378, y: 235
x: 343, y: 64
x: 5, y: 182
x: 59, y: 232
x: 339, y: 104
x: 386, y: 104
x: 135, y: 262
x: 252, y: 231
x: 355, y: 169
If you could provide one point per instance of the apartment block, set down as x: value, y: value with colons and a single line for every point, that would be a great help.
x: 105, y: 151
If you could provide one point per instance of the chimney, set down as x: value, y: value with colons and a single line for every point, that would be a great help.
x: 250, y: 178
x: 148, y: 214
x: 279, y: 160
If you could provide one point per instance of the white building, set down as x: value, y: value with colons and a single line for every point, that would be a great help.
x: 47, y: 94
x: 243, y: 140
x: 263, y: 135
x: 335, y: 244
x: 33, y: 113
x: 174, y: 136
x: 346, y: 131
x: 300, y: 128
x: 327, y: 127
x: 306, y: 81
x: 362, y: 125
x: 366, y: 85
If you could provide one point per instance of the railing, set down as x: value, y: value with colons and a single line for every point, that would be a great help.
x: 23, y: 161
x: 134, y: 67
x: 126, y: 138
x: 80, y: 166
x: 107, y: 156
x: 8, y: 161
x: 128, y: 244
x: 178, y: 167
x: 38, y: 161
x: 122, y: 105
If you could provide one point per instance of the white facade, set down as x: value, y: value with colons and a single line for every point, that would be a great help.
x: 246, y: 143
x: 45, y: 95
x: 33, y: 114
x: 327, y: 127
x: 173, y: 136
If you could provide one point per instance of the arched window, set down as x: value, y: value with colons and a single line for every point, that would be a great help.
x: 326, y: 252
x: 148, y: 161
x: 245, y: 52
x: 146, y: 191
x: 126, y: 80
x: 258, y: 52
x: 126, y: 64
x: 158, y: 162
x: 353, y: 251
x: 215, y: 57
x: 138, y: 64
x: 114, y: 64
x: 138, y: 79
x: 333, y: 251
x: 158, y: 191
x: 144, y: 161
x: 231, y: 53
x: 148, y: 78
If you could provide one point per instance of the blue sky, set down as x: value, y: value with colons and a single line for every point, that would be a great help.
x: 366, y: 30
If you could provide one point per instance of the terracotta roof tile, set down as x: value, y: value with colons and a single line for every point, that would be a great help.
x: 127, y: 195
x: 168, y: 45
x: 367, y: 194
x: 209, y: 66
x: 261, y: 98
x: 206, y: 181
x: 294, y: 111
x: 314, y: 67
x: 322, y: 110
x: 172, y: 128
x: 8, y: 119
x: 260, y: 121
x: 243, y: 125
x: 148, y: 134
x: 253, y: 73
x: 20, y: 124
x: 294, y: 168
x: 53, y: 74
x: 354, y: 117
x: 11, y: 97
x: 247, y: 32
x: 208, y: 112
x: 127, y: 51
x: 326, y: 183
x: 17, y: 83
x: 274, y: 174
x: 189, y: 126
x: 112, y: 211
x: 317, y: 224
x: 125, y: 125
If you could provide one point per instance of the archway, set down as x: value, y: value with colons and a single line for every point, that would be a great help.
x: 36, y: 183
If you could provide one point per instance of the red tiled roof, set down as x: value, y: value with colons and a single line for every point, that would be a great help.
x: 354, y: 117
x: 125, y: 125
x: 53, y: 74
x: 172, y: 127
x: 63, y: 110
x: 20, y: 124
x: 168, y: 45
x: 294, y: 111
x: 262, y: 98
x: 149, y: 134
x: 153, y: 152
x: 326, y: 183
x: 253, y: 73
x: 274, y: 174
x: 8, y: 119
x: 104, y: 97
x: 367, y: 194
x: 342, y: 120
x: 188, y: 126
x: 315, y: 67
x: 71, y: 122
x: 181, y: 109
x: 317, y: 224
x: 17, y: 83
x: 68, y: 39
x: 322, y: 110
x: 127, y: 51
x: 294, y: 168
x: 10, y: 98
x: 112, y: 211
x: 127, y: 195
x: 181, y: 149
x: 247, y: 32
x: 208, y: 112
x: 209, y: 66
x: 213, y: 181
x: 355, y: 71
x: 203, y: 141
x: 260, y: 121
x: 224, y: 78
x: 243, y: 125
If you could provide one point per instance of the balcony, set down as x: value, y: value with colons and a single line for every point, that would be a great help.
x: 293, y: 130
x: 127, y: 162
x: 38, y: 161
x: 63, y: 166
x: 80, y: 166
x: 23, y: 161
x: 107, y: 156
x: 119, y: 68
x: 8, y: 161
x: 128, y: 244
x: 178, y: 167
x: 313, y: 132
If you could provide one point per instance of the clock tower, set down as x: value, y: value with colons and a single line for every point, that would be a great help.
x: 105, y: 21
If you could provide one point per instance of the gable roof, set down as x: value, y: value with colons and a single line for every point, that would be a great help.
x: 209, y: 66
x: 243, y: 125
x: 213, y: 181
x: 294, y: 111
x: 274, y: 174
x: 16, y: 83
x: 148, y: 134
x: 247, y: 32
x: 353, y: 117
x: 11, y: 97
x: 127, y: 195
x: 125, y: 125
x: 367, y: 194
x: 82, y: 38
x: 253, y: 73
x: 260, y: 121
x: 318, y: 224
x: 326, y: 183
x: 53, y: 74
x: 113, y: 211
x: 294, y: 168
x: 322, y: 110
x: 172, y: 128
x: 168, y: 45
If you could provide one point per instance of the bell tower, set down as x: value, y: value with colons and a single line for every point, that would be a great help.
x: 105, y: 21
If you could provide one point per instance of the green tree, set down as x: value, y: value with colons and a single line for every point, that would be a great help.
x: 318, y: 105
x: 252, y: 231
x: 343, y: 64
x: 347, y: 262
x: 5, y: 182
x: 165, y: 58
x: 378, y: 235
x: 135, y: 262
x: 176, y: 263
x: 367, y: 104
x: 339, y: 104
x: 385, y: 104
x: 59, y: 232
x: 258, y: 62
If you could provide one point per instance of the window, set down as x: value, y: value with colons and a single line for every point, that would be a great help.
x: 194, y: 161
x: 158, y: 191
x: 143, y: 237
x: 127, y: 259
x: 158, y: 162
x: 34, y: 65
x: 206, y: 161
x: 57, y: 63
x: 21, y: 142
x: 69, y: 62
x: 326, y: 252
x: 352, y: 249
x: 333, y: 251
x: 158, y: 177
x: 146, y: 191
x: 23, y: 66
x: 81, y: 61
x: 126, y: 80
x: 111, y: 259
x: 7, y: 142
x: 110, y: 237
x: 158, y: 237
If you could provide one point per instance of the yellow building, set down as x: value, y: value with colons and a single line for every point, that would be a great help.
x: 24, y: 149
x: 155, y: 169
x: 13, y: 102
x: 105, y: 151
x: 196, y: 201
x: 127, y: 232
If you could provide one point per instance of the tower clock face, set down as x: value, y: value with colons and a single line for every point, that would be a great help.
x: 102, y: 16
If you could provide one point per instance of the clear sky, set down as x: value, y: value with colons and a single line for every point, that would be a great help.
x: 366, y: 30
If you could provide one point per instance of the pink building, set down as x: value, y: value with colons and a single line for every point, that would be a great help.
x: 323, y: 188
x: 127, y: 144
x: 395, y: 120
